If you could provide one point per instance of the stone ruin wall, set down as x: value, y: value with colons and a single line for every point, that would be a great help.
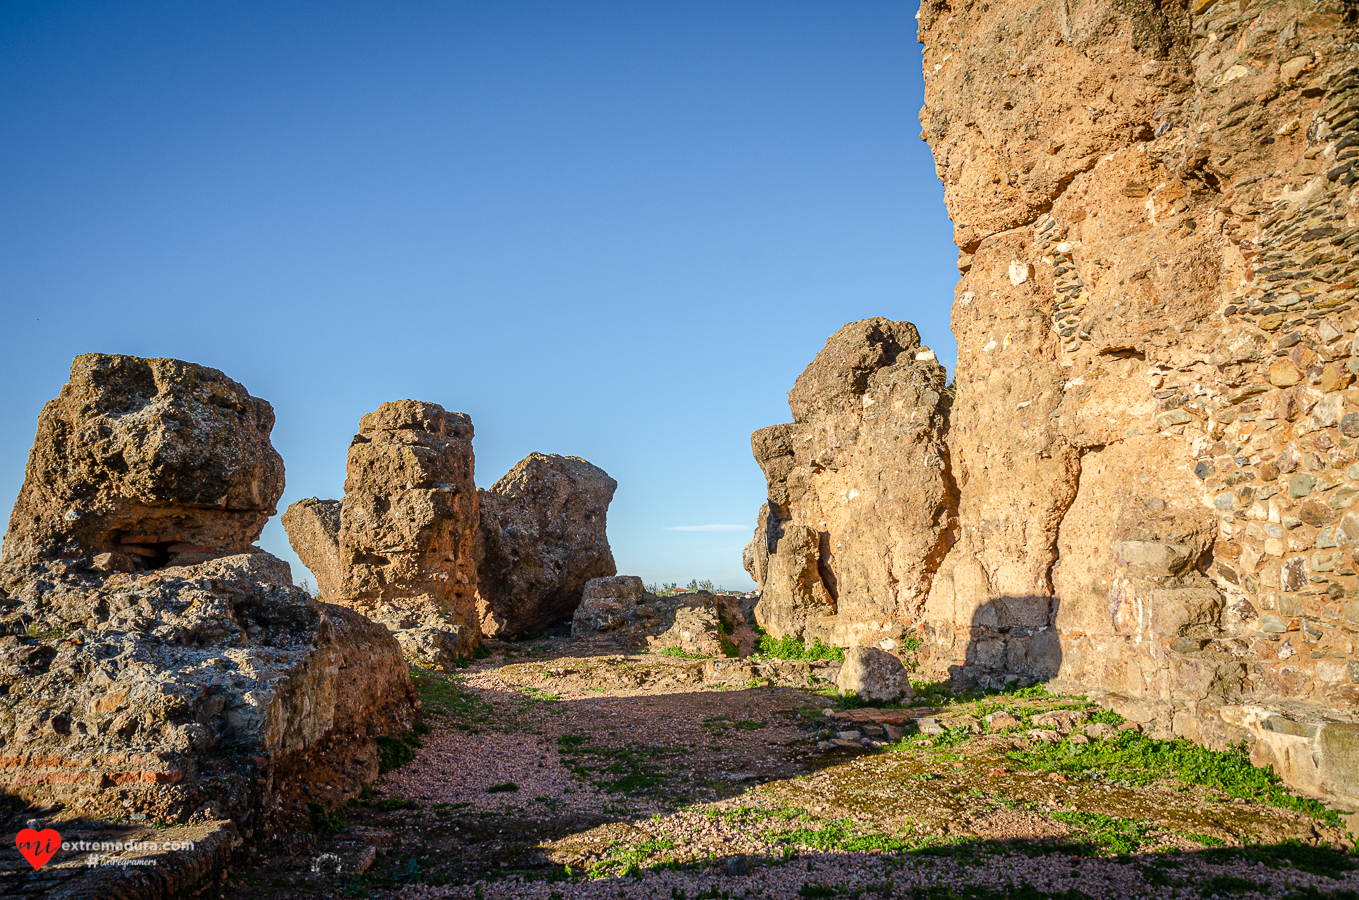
x: 408, y: 524
x: 399, y: 548
x: 1153, y: 441
x: 859, y: 494
x: 152, y: 659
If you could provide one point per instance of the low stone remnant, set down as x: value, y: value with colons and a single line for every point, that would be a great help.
x: 400, y: 547
x: 414, y: 545
x: 542, y: 537
x: 408, y: 528
x: 193, y: 686
x: 695, y: 623
x: 695, y: 630
x: 858, y: 514
x: 874, y: 674
x: 608, y: 603
x: 999, y: 721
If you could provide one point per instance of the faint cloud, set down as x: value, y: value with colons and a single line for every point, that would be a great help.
x: 706, y: 528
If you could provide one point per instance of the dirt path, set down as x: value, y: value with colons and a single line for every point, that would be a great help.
x: 548, y: 773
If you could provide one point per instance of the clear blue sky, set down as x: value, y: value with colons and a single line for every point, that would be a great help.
x: 609, y: 230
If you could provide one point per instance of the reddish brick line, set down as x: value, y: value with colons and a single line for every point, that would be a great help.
x: 98, y: 779
x: 50, y: 761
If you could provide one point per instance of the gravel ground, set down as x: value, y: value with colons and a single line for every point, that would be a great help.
x: 1098, y: 878
x: 555, y: 770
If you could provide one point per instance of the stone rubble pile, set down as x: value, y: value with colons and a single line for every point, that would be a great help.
x: 619, y: 609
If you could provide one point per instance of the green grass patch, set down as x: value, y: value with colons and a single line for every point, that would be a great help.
x: 1133, y: 760
x: 1024, y: 891
x: 442, y: 695
x: 1106, y: 834
x: 323, y: 821
x: 1107, y: 717
x: 507, y: 787
x: 1294, y: 854
x: 792, y: 648
x: 541, y: 696
x: 841, y: 835
x: 624, y: 860
x: 725, y: 627
x: 1228, y: 885
x: 932, y: 693
x: 616, y: 769
x: 1312, y: 892
x: 721, y: 723
x: 682, y: 654
x: 395, y: 752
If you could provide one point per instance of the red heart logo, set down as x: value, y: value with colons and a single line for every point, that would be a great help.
x: 38, y: 846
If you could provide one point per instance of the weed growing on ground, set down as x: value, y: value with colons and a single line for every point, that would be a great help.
x: 615, y: 769
x: 1288, y: 854
x: 1134, y: 760
x: 1024, y: 891
x: 721, y: 723
x: 724, y: 630
x: 629, y: 860
x: 683, y: 654
x: 1106, y: 834
x: 931, y: 693
x: 841, y: 835
x: 1228, y: 884
x: 323, y: 821
x: 385, y: 805
x: 541, y: 696
x: 395, y: 752
x: 440, y: 695
x: 792, y: 648
x: 1107, y: 717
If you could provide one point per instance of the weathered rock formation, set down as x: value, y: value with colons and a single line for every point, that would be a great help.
x: 151, y: 461
x: 210, y: 691
x: 1158, y: 227
x: 608, y: 603
x: 313, y: 529
x: 858, y: 514
x: 542, y: 537
x: 1154, y: 432
x: 400, y: 547
x: 414, y: 545
x: 873, y: 674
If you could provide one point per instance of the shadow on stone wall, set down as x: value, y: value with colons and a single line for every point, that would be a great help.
x: 1012, y: 640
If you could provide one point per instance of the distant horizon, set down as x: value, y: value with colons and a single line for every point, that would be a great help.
x: 601, y: 230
